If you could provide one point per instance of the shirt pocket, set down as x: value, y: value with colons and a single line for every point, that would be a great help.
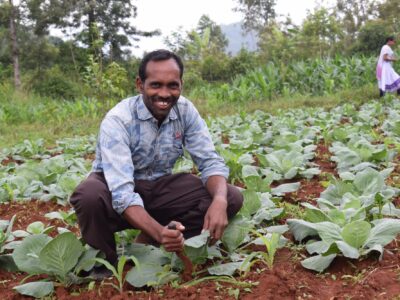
x: 175, y: 152
x: 171, y: 150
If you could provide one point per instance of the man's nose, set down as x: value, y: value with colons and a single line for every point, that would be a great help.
x: 164, y: 92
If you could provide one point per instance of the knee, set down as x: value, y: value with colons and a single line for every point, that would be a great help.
x: 86, y: 197
x: 235, y: 200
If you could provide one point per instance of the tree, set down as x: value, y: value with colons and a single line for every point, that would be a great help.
x: 353, y: 15
x: 320, y: 33
x: 109, y: 21
x: 372, y: 37
x: 257, y: 13
x: 206, y: 39
x: 388, y: 11
x: 217, y: 37
x: 34, y: 16
x: 203, y: 49
x: 9, y: 14
x: 277, y: 41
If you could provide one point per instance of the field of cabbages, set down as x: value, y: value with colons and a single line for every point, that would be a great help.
x: 321, y: 217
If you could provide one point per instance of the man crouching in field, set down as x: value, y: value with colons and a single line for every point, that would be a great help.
x: 131, y: 184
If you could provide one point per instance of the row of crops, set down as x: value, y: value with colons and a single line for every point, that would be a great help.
x: 313, y: 77
x: 269, y: 156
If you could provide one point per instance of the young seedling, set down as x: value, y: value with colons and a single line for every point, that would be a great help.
x: 271, y: 243
x: 118, y: 272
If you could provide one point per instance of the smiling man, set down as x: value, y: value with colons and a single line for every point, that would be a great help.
x: 131, y: 184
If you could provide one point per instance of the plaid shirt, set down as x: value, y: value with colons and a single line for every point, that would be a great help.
x: 131, y: 146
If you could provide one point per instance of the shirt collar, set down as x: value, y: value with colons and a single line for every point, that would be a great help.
x: 145, y: 114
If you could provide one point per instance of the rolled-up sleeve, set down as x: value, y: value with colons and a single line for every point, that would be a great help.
x: 116, y: 160
x: 199, y: 144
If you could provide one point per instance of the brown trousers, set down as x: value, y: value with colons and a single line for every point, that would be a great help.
x: 180, y: 197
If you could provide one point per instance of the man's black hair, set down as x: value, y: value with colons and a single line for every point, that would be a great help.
x: 158, y: 55
x: 389, y: 38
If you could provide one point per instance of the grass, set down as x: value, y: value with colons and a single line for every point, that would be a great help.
x: 30, y: 117
x: 357, y: 96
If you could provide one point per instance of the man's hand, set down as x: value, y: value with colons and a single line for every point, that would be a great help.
x: 172, y: 238
x: 216, y: 219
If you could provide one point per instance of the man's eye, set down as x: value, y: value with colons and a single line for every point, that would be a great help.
x: 173, y: 86
x: 155, y: 85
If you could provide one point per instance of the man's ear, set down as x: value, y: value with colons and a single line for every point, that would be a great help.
x: 139, y: 85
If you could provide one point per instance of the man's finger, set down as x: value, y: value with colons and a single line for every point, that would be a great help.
x: 206, y: 223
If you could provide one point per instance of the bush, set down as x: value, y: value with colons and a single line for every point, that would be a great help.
x: 372, y: 37
x: 110, y: 83
x: 243, y: 62
x: 214, y: 68
x: 55, y: 84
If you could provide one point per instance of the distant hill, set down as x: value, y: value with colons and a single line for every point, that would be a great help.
x: 237, y: 39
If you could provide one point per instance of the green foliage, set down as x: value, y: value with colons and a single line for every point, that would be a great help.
x: 108, y: 84
x: 257, y: 13
x: 55, y: 84
x: 5, y: 232
x: 118, y: 271
x: 271, y: 244
x: 242, y: 63
x: 372, y: 37
x: 214, y: 68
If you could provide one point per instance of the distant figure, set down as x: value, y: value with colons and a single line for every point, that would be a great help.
x: 388, y: 79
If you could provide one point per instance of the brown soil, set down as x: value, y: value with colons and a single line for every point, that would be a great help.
x: 344, y: 279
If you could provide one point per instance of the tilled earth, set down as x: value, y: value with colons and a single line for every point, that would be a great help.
x: 368, y: 278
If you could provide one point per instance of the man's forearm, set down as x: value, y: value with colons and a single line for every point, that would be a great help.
x: 217, y: 187
x: 138, y: 217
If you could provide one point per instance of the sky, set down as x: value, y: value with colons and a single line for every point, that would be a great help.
x: 169, y: 15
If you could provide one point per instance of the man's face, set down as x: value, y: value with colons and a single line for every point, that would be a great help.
x: 162, y: 87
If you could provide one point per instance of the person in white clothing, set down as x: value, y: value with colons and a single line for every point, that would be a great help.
x: 388, y: 79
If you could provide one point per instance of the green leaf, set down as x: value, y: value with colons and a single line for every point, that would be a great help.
x: 36, y: 289
x: 86, y: 260
x: 235, y: 233
x: 317, y: 247
x: 61, y: 254
x: 337, y: 216
x: 251, y: 204
x: 318, y: 263
x: 26, y: 256
x: 314, y: 214
x: 285, y: 188
x: 329, y: 232
x: 198, y: 240
x: 249, y: 171
x: 147, y: 254
x: 384, y: 231
x: 144, y: 275
x: 197, y: 255
x: 348, y: 250
x: 225, y: 269
x: 356, y: 233
x: 369, y: 181
x: 301, y: 229
x: 7, y: 263
x: 35, y: 227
